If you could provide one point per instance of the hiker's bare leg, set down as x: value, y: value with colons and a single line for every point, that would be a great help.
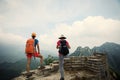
x: 41, y: 59
x: 41, y: 62
x: 28, y: 65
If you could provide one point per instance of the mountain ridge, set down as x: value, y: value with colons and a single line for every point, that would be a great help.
x: 111, y: 49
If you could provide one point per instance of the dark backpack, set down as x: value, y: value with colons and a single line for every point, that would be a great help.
x: 63, y: 48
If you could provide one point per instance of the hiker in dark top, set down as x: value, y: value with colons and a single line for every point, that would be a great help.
x: 34, y: 53
x: 62, y: 54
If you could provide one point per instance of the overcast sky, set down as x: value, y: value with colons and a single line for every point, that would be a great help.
x: 84, y: 22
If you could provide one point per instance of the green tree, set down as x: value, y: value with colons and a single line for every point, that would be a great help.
x: 49, y: 59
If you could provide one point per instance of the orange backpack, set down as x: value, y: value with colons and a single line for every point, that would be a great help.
x: 29, y: 46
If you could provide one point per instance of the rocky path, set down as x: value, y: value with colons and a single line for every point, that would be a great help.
x: 56, y: 76
x: 52, y: 76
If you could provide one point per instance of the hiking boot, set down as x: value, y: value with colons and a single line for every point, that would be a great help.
x: 28, y: 75
x: 61, y: 78
x: 41, y: 67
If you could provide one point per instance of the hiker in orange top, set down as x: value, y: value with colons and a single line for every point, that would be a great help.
x: 33, y: 50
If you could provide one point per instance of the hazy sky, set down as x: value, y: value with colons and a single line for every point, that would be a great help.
x: 83, y: 22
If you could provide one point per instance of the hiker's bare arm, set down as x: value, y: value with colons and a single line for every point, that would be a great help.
x: 38, y: 48
x: 69, y: 46
x: 57, y: 47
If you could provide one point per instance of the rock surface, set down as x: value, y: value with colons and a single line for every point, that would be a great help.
x: 75, y: 68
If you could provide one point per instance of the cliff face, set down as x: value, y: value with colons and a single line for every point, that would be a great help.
x: 75, y: 68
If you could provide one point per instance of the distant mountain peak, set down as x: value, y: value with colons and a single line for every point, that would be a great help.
x: 85, y: 51
x: 109, y: 43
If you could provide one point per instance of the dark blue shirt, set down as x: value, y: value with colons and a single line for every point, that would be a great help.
x: 36, y: 42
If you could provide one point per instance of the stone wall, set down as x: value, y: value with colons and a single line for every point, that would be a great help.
x: 96, y: 64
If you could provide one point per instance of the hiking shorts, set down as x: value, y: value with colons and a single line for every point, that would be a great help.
x: 36, y: 54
